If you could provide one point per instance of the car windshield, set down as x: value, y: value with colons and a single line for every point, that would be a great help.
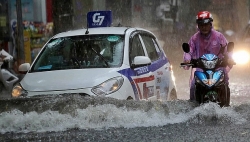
x: 85, y: 51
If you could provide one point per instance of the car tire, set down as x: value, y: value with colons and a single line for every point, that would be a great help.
x: 130, y: 98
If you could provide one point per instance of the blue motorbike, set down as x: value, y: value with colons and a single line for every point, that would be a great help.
x: 210, y: 83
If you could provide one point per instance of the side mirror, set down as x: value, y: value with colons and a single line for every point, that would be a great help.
x: 230, y: 46
x: 23, y: 68
x: 185, y: 47
x: 140, y: 61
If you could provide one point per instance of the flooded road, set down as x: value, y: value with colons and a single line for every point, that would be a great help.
x: 77, y: 118
x: 72, y: 117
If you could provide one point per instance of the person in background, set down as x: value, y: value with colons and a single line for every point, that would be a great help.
x: 3, y: 54
x: 5, y: 57
x: 206, y: 40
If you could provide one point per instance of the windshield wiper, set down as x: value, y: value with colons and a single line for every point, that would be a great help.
x: 100, y: 55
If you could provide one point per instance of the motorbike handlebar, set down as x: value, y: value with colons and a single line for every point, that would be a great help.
x: 186, y: 64
x: 192, y: 63
x: 197, y: 63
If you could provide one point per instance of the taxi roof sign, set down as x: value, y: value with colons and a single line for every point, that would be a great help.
x: 99, y: 19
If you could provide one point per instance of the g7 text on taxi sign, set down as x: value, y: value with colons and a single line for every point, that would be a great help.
x: 99, y: 19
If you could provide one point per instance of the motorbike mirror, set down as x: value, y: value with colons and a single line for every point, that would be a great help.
x: 185, y: 47
x: 222, y: 48
x: 230, y: 46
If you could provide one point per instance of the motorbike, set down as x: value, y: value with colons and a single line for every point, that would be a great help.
x: 8, y: 77
x: 210, y: 83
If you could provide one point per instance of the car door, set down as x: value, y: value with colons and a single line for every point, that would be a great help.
x: 142, y: 78
x: 159, y: 66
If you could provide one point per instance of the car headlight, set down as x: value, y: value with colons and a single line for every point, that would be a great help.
x: 18, y: 91
x: 108, y: 86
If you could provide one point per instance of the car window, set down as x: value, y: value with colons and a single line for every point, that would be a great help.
x: 86, y: 51
x: 136, y: 49
x: 151, y: 47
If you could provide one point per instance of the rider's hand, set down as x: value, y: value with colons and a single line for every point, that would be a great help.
x: 230, y: 61
x: 186, y: 67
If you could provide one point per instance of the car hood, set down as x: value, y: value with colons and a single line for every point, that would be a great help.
x: 66, y: 79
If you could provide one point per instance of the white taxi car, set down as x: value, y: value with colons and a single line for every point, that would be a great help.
x: 117, y: 62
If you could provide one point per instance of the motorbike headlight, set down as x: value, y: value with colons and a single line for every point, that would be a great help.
x: 209, y: 64
x: 108, y: 86
x: 18, y: 91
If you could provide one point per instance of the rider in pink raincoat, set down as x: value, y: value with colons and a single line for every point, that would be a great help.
x: 205, y: 40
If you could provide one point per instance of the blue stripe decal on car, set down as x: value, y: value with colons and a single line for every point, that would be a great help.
x: 129, y: 73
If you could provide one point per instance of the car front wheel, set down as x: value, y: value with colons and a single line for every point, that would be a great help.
x: 173, y: 95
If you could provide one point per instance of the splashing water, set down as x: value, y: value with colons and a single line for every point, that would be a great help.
x: 113, y: 114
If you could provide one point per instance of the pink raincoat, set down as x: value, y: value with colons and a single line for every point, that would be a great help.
x: 200, y: 44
